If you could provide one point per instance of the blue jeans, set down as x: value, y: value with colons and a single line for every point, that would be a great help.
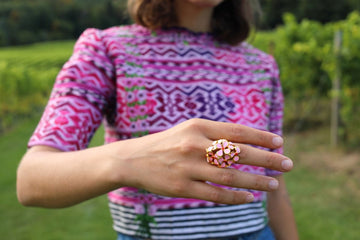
x: 263, y: 234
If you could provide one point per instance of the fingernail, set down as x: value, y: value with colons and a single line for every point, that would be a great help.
x: 273, y: 184
x: 278, y: 141
x: 249, y: 198
x: 287, y: 164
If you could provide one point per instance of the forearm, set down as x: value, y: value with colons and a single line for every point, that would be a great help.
x: 282, y: 220
x: 49, y: 178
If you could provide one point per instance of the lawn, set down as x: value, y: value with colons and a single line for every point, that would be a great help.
x: 324, y: 187
x: 89, y: 220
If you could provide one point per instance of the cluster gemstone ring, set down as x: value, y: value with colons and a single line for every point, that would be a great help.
x: 222, y: 153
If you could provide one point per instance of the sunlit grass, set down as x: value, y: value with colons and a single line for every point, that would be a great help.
x: 89, y: 220
x: 39, y: 55
x: 325, y: 199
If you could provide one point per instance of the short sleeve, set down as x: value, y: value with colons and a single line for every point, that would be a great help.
x: 81, y: 95
x: 276, y: 111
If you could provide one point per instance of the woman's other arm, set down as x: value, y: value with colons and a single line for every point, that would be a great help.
x: 282, y: 220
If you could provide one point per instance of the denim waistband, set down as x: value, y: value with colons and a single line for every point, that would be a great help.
x: 263, y: 234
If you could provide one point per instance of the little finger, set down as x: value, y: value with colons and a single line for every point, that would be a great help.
x: 238, y: 179
x: 208, y: 192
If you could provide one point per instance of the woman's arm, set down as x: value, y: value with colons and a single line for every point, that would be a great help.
x: 170, y: 163
x: 47, y: 177
x: 282, y: 220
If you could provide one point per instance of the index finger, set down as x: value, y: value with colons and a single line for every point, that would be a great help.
x: 239, y: 133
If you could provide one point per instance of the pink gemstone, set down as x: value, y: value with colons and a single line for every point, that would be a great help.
x: 227, y: 151
x: 236, y: 158
x: 219, y: 153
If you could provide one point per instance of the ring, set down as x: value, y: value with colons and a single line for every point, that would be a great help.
x: 222, y: 153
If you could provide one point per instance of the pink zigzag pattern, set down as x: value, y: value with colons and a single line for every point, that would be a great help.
x: 69, y: 120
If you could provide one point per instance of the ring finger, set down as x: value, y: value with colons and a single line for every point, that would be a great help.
x: 257, y: 157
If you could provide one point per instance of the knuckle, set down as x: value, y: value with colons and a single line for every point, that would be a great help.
x: 244, y: 152
x: 271, y: 160
x: 234, y: 198
x: 237, y: 132
x: 194, y: 123
x: 239, y: 197
x: 187, y: 147
x: 215, y: 195
x: 228, y: 178
x: 262, y: 138
x: 179, y: 188
x: 258, y: 183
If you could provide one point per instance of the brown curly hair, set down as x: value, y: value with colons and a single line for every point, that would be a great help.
x: 231, y: 23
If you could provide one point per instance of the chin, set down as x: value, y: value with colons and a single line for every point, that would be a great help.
x: 205, y: 3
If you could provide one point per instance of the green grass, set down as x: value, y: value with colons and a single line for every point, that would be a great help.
x: 322, y: 212
x: 40, y: 55
x: 89, y: 220
x: 325, y: 199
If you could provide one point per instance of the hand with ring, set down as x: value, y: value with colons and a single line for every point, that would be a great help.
x: 176, y: 162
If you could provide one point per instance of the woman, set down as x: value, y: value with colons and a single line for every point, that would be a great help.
x: 165, y: 88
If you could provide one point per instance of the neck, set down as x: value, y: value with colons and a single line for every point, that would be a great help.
x: 194, y: 18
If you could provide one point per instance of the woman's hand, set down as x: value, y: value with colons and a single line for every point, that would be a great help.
x: 173, y: 162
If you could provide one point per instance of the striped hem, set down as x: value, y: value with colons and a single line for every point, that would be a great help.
x: 194, y: 223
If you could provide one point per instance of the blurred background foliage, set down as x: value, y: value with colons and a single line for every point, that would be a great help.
x: 308, y: 64
x: 27, y: 21
x: 37, y: 37
x: 323, y: 11
x: 300, y: 34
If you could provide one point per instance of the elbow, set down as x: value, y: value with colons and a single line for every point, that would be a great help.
x: 28, y: 196
x: 24, y: 193
x: 24, y: 189
x: 31, y: 186
x: 24, y: 200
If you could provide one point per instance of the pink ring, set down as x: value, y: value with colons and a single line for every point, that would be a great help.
x: 222, y: 153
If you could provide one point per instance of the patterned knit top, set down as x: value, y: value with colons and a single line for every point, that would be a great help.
x: 141, y: 82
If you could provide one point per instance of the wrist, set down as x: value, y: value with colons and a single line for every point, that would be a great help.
x: 118, y: 161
